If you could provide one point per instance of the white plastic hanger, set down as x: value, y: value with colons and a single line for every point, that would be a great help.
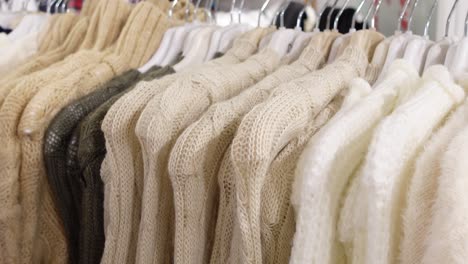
x: 457, y: 55
x: 283, y: 38
x: 196, y: 45
x: 417, y: 47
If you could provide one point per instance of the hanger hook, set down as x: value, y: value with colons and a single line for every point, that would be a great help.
x: 262, y: 10
x: 410, y: 20
x: 231, y: 12
x: 449, y: 19
x: 337, y: 18
x: 429, y: 18
x: 356, y: 13
x: 320, y: 14
x: 281, y: 14
x: 369, y: 11
x: 241, y: 7
x: 329, y: 25
x: 376, y: 11
x: 171, y: 10
x: 466, y: 25
x: 402, y: 14
x: 301, y: 14
x: 277, y: 14
x: 195, y: 11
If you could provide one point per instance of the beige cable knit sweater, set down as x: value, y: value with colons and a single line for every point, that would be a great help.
x: 197, y: 154
x: 139, y: 40
x: 123, y: 160
x: 271, y: 125
x: 56, y: 33
x: 102, y: 33
x: 158, y: 127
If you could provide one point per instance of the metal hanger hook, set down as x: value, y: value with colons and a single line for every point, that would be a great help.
x: 402, y: 14
x: 329, y: 25
x: 262, y: 10
x: 466, y: 25
x: 171, y: 10
x: 449, y: 19
x: 301, y: 14
x: 376, y: 11
x: 283, y: 11
x: 320, y: 14
x: 356, y: 13
x: 369, y: 11
x: 410, y: 20
x: 231, y: 12
x: 239, y: 12
x: 337, y: 18
x: 429, y: 18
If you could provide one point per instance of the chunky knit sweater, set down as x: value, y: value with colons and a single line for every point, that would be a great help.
x: 57, y: 32
x: 65, y: 189
x: 158, y: 127
x: 447, y: 237
x: 381, y: 188
x: 123, y: 160
x: 323, y: 172
x: 197, y: 154
x: 271, y: 125
x: 423, y: 189
x: 35, y: 120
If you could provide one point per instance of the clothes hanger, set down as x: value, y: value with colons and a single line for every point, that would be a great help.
x: 302, y: 39
x: 195, y: 48
x: 417, y: 47
x: 231, y: 33
x: 458, y: 52
x: 165, y: 45
x: 339, y: 41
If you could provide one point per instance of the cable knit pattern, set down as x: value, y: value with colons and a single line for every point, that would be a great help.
x: 123, y: 160
x: 162, y: 121
x: 417, y: 217
x: 57, y: 32
x: 329, y: 160
x: 35, y: 119
x: 197, y: 154
x: 390, y: 163
x: 271, y: 125
x: 447, y: 239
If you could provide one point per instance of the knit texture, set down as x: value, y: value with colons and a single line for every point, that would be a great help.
x: 66, y: 190
x: 390, y: 162
x: 198, y: 152
x: 158, y: 127
x: 57, y: 32
x: 447, y: 240
x: 422, y: 192
x: 123, y: 160
x: 38, y: 114
x: 328, y: 161
x: 272, y: 124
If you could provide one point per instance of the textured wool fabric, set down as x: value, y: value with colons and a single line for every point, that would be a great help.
x: 55, y: 96
x: 103, y: 30
x: 329, y: 160
x: 422, y: 192
x: 389, y: 165
x: 198, y: 152
x: 56, y: 34
x: 123, y: 159
x: 157, y: 129
x: 447, y: 239
x: 66, y: 190
x: 271, y: 125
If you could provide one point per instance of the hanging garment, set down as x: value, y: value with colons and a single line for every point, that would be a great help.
x: 271, y: 125
x: 198, y: 152
x: 123, y: 158
x: 327, y: 164
x: 388, y: 166
x: 60, y: 26
x: 422, y: 191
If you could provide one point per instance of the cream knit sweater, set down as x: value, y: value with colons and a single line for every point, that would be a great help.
x: 422, y: 192
x: 123, y: 161
x: 159, y: 126
x: 198, y: 152
x: 102, y: 33
x: 380, y: 191
x: 329, y: 160
x: 447, y: 240
x: 271, y: 125
x: 47, y: 102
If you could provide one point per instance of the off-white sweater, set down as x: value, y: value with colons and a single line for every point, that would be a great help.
x: 272, y: 124
x: 422, y: 191
x: 122, y: 168
x: 447, y: 240
x: 330, y: 159
x: 397, y: 141
x: 198, y: 152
